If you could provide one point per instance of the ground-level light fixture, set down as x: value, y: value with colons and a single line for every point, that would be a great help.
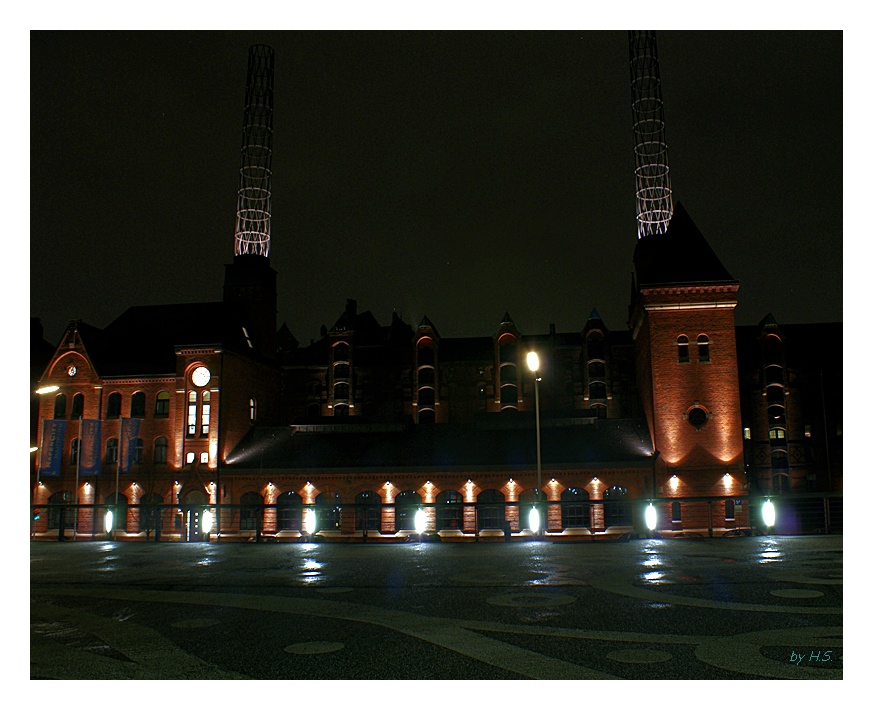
x: 651, y: 517
x: 420, y: 521
x: 534, y: 520
x: 309, y: 521
x: 206, y: 521
x: 107, y: 521
x: 768, y: 513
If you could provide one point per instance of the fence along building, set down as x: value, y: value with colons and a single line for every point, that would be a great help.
x: 171, y: 411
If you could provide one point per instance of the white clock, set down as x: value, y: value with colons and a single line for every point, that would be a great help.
x: 71, y: 370
x: 200, y: 377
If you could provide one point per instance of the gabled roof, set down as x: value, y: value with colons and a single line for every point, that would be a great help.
x: 678, y: 257
x: 143, y: 339
x: 503, y: 443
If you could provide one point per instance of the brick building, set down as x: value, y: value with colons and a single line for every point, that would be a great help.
x: 176, y: 412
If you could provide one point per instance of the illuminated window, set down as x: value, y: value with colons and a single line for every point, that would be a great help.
x: 702, y: 348
x: 807, y: 431
x: 78, y: 405
x: 192, y: 414
x: 113, y: 406
x: 777, y: 433
x: 204, y: 415
x: 112, y: 450
x: 61, y: 406
x: 138, y: 405
x: 162, y: 404
x: 253, y: 409
x: 160, y: 452
x: 204, y: 457
x: 747, y: 433
x: 682, y: 345
x: 189, y: 457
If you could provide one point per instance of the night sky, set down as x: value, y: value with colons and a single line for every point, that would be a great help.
x: 456, y: 175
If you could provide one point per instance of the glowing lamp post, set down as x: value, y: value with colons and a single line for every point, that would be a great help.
x: 309, y: 522
x: 107, y: 522
x: 533, y: 363
x: 651, y: 517
x: 206, y: 521
x: 420, y: 522
x: 768, y: 513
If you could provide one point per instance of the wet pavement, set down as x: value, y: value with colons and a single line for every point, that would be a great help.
x: 737, y: 608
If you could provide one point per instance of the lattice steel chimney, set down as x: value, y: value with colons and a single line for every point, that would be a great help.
x: 654, y: 197
x: 252, y: 234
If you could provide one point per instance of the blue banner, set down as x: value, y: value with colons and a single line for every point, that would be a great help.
x: 129, y: 437
x: 89, y: 447
x: 51, y: 455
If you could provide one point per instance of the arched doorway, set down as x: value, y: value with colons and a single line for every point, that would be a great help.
x: 450, y: 511
x: 368, y: 511
x: 616, y: 507
x: 328, y: 510
x: 289, y: 511
x: 407, y: 504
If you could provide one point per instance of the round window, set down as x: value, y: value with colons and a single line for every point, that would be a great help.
x: 697, y: 417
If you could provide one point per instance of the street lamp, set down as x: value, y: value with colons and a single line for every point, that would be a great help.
x: 533, y: 363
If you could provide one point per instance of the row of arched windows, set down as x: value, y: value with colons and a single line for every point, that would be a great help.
x: 113, y: 405
x: 159, y: 451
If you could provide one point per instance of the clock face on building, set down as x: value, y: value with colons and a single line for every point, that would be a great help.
x: 71, y: 370
x: 200, y: 376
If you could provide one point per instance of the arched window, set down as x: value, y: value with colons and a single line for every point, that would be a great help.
x: 450, y: 513
x: 426, y: 416
x: 328, y: 508
x: 508, y: 350
x: 490, y: 510
x: 729, y: 510
x: 113, y: 406
x: 616, y: 507
x: 597, y: 390
x: 368, y: 511
x: 702, y: 348
x: 341, y: 352
x: 426, y: 397
x: 117, y: 503
x: 575, y: 508
x: 61, y: 406
x: 676, y: 511
x: 160, y: 453
x: 341, y: 391
x: 204, y: 414
x: 162, y: 404
x: 74, y: 452
x: 112, y: 450
x: 58, y: 515
x: 78, y: 405
x: 313, y: 410
x: 596, y: 370
x: 596, y: 350
x: 289, y: 511
x: 250, y: 506
x: 137, y: 405
x: 425, y: 355
x: 682, y: 345
x: 425, y: 376
x: 137, y: 451
x: 341, y: 371
x: 341, y: 410
x: 191, y: 428
x: 407, y: 504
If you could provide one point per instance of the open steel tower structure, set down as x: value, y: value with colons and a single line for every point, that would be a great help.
x: 252, y: 235
x: 653, y: 195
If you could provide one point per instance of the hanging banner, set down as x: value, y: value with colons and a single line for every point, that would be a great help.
x: 129, y: 437
x: 51, y: 454
x: 89, y: 447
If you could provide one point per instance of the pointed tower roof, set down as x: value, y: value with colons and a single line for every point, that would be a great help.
x: 506, y: 318
x: 680, y: 256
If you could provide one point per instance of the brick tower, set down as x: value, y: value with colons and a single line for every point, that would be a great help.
x: 682, y: 322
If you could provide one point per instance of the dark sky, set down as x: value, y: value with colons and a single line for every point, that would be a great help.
x: 457, y: 175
